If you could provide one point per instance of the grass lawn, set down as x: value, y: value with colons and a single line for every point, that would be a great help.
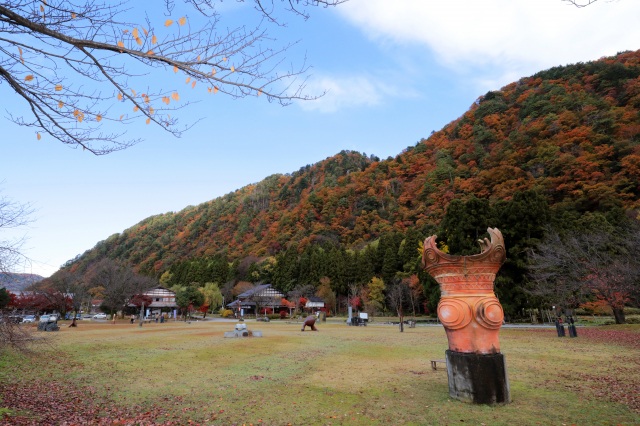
x: 174, y: 373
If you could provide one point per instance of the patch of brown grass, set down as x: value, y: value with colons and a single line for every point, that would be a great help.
x: 178, y: 372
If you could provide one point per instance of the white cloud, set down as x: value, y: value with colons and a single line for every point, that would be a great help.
x: 512, y: 37
x: 347, y: 92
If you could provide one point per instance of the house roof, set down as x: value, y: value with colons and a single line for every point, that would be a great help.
x: 159, y: 292
x: 261, y: 290
x: 240, y: 303
x: 314, y: 302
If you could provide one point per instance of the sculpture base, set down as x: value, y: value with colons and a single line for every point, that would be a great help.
x: 478, y: 379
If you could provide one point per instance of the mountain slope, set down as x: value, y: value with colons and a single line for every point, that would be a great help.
x: 572, y: 133
x: 18, y: 282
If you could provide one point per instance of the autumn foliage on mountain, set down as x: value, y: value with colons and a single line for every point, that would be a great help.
x: 565, y: 140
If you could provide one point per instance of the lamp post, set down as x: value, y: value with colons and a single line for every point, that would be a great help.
x: 141, y: 315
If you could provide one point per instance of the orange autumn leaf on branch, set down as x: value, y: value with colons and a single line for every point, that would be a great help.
x: 29, y: 77
x: 58, y: 87
x: 175, y: 96
x: 79, y: 115
x: 168, y: 22
x: 182, y: 20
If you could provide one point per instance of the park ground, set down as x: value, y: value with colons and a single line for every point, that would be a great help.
x: 181, y: 373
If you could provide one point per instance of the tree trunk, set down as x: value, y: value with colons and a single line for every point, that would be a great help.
x: 618, y: 314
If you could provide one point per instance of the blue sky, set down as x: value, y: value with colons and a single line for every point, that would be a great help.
x: 395, y: 70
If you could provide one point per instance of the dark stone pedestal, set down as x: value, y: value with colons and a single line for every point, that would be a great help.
x: 478, y: 379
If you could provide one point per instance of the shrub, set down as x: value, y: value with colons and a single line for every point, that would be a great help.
x: 226, y: 313
x: 283, y: 314
x: 266, y: 311
x: 633, y: 319
x: 599, y: 307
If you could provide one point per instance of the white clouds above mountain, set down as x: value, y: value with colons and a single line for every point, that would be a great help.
x: 503, y: 38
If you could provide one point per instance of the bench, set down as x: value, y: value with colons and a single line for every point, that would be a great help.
x: 434, y: 363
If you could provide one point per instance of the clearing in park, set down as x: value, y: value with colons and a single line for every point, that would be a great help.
x: 181, y: 373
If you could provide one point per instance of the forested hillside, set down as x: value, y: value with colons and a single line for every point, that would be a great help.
x: 559, y: 148
x: 17, y: 282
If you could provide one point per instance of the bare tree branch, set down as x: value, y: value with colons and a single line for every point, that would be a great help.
x: 78, y: 67
x: 119, y: 282
x: 578, y: 3
x: 268, y: 7
x: 583, y: 3
x: 594, y: 264
x: 12, y: 216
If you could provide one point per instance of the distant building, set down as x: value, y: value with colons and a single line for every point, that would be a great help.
x: 314, y: 304
x: 258, y: 298
x: 161, y: 298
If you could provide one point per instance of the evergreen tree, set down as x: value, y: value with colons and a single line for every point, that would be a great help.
x: 4, y: 297
x: 389, y: 265
x: 522, y: 221
x: 464, y: 223
x: 285, y: 271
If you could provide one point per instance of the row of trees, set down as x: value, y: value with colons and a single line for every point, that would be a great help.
x: 70, y: 291
x: 556, y: 257
x: 116, y: 285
